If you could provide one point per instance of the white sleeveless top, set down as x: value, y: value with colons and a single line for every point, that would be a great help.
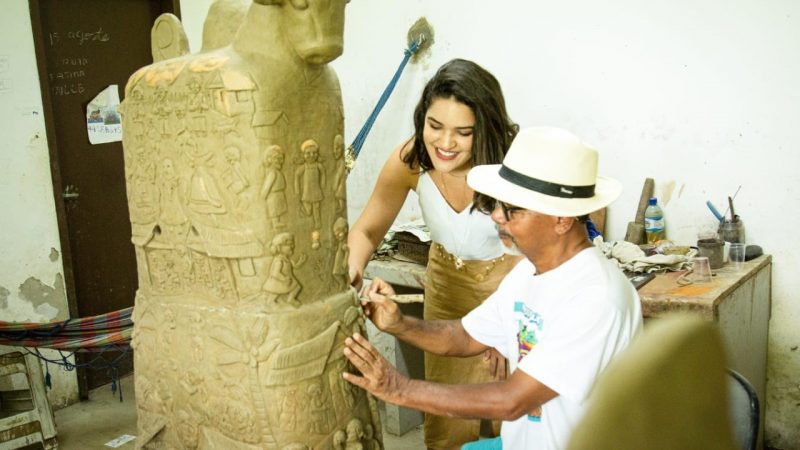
x: 468, y: 235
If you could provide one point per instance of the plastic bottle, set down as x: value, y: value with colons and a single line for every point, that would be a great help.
x: 654, y: 222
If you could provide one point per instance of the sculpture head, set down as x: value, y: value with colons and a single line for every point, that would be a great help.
x: 338, y: 146
x: 355, y: 430
x: 310, y: 150
x: 339, y: 440
x: 314, y: 28
x: 274, y: 156
x: 282, y: 243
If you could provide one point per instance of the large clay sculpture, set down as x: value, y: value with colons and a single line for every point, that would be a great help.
x: 236, y: 196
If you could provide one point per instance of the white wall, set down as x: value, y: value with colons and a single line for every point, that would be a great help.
x: 31, y: 276
x: 702, y: 95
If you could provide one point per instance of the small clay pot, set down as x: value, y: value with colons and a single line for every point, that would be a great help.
x: 713, y: 250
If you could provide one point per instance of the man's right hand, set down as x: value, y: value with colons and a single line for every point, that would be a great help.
x: 383, y: 312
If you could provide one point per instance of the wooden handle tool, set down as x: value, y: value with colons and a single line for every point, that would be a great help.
x: 635, y: 233
x: 647, y: 192
x: 402, y: 298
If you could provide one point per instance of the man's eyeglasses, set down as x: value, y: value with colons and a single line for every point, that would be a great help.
x: 507, y: 209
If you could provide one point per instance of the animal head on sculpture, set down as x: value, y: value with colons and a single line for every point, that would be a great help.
x: 314, y: 28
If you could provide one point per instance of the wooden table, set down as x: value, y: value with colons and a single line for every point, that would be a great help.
x: 738, y: 302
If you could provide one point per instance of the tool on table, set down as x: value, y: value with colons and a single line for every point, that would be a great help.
x: 714, y: 211
x: 734, y: 217
x: 635, y: 233
x: 730, y: 203
x: 401, y: 298
x: 732, y: 230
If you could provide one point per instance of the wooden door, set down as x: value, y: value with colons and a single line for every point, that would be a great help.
x: 82, y: 47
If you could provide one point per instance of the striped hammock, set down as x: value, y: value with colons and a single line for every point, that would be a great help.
x: 88, y: 334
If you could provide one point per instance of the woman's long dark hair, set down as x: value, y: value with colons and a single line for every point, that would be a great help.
x: 471, y: 85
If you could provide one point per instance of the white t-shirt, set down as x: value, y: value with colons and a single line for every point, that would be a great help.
x: 467, y: 234
x: 563, y: 328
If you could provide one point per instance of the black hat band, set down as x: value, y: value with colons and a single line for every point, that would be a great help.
x: 545, y: 187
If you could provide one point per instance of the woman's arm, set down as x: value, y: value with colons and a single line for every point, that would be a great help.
x: 388, y: 196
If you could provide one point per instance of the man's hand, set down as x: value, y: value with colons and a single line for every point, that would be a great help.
x: 383, y: 312
x: 377, y: 376
x: 497, y: 364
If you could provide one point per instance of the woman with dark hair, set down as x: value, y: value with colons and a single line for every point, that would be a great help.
x: 460, y: 122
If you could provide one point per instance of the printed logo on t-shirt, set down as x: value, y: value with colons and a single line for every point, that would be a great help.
x: 530, y: 323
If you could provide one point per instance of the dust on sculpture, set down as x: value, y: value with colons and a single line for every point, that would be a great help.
x: 243, y: 301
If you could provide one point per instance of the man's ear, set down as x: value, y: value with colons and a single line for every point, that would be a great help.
x: 564, y: 224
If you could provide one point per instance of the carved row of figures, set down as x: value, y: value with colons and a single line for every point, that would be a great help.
x: 211, y: 186
x: 184, y: 270
x: 177, y: 122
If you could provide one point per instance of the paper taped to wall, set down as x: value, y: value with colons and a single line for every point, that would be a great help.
x: 103, y: 121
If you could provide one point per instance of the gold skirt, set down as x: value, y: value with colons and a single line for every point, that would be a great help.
x: 454, y: 288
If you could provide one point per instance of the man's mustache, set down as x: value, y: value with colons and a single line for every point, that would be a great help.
x: 504, y: 235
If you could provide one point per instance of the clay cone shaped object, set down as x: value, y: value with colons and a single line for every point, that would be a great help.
x: 234, y: 169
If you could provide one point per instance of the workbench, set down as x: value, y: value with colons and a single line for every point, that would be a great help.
x: 739, y: 302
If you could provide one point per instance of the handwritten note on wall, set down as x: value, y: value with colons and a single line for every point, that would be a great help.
x: 68, y: 74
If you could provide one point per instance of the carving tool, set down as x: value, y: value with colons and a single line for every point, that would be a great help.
x: 635, y: 233
x: 714, y: 211
x: 401, y: 298
x: 729, y: 205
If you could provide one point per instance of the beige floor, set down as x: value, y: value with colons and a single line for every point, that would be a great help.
x: 91, y: 424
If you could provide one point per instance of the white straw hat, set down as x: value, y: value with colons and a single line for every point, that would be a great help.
x: 547, y: 170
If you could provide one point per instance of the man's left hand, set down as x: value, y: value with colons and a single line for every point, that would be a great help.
x: 377, y: 376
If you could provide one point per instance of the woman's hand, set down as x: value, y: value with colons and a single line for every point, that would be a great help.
x: 356, y: 278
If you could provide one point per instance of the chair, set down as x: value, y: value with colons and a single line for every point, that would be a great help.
x: 669, y: 391
x: 744, y: 410
x: 25, y: 414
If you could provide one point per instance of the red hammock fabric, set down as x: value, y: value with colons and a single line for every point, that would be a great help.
x: 94, y: 333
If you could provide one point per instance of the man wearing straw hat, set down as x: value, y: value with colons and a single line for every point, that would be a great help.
x: 560, y: 316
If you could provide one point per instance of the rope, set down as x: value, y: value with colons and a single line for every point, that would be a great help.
x: 98, y: 362
x: 355, y: 148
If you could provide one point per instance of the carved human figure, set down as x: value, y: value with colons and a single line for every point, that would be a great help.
x: 233, y: 175
x: 340, y: 176
x: 162, y: 110
x: 355, y: 432
x: 318, y: 409
x: 274, y: 188
x: 369, y: 437
x: 204, y: 196
x: 143, y: 178
x: 342, y: 250
x: 288, y: 416
x: 138, y: 115
x: 339, y: 440
x: 281, y: 280
x: 309, y: 180
x: 196, y: 106
x: 169, y: 194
